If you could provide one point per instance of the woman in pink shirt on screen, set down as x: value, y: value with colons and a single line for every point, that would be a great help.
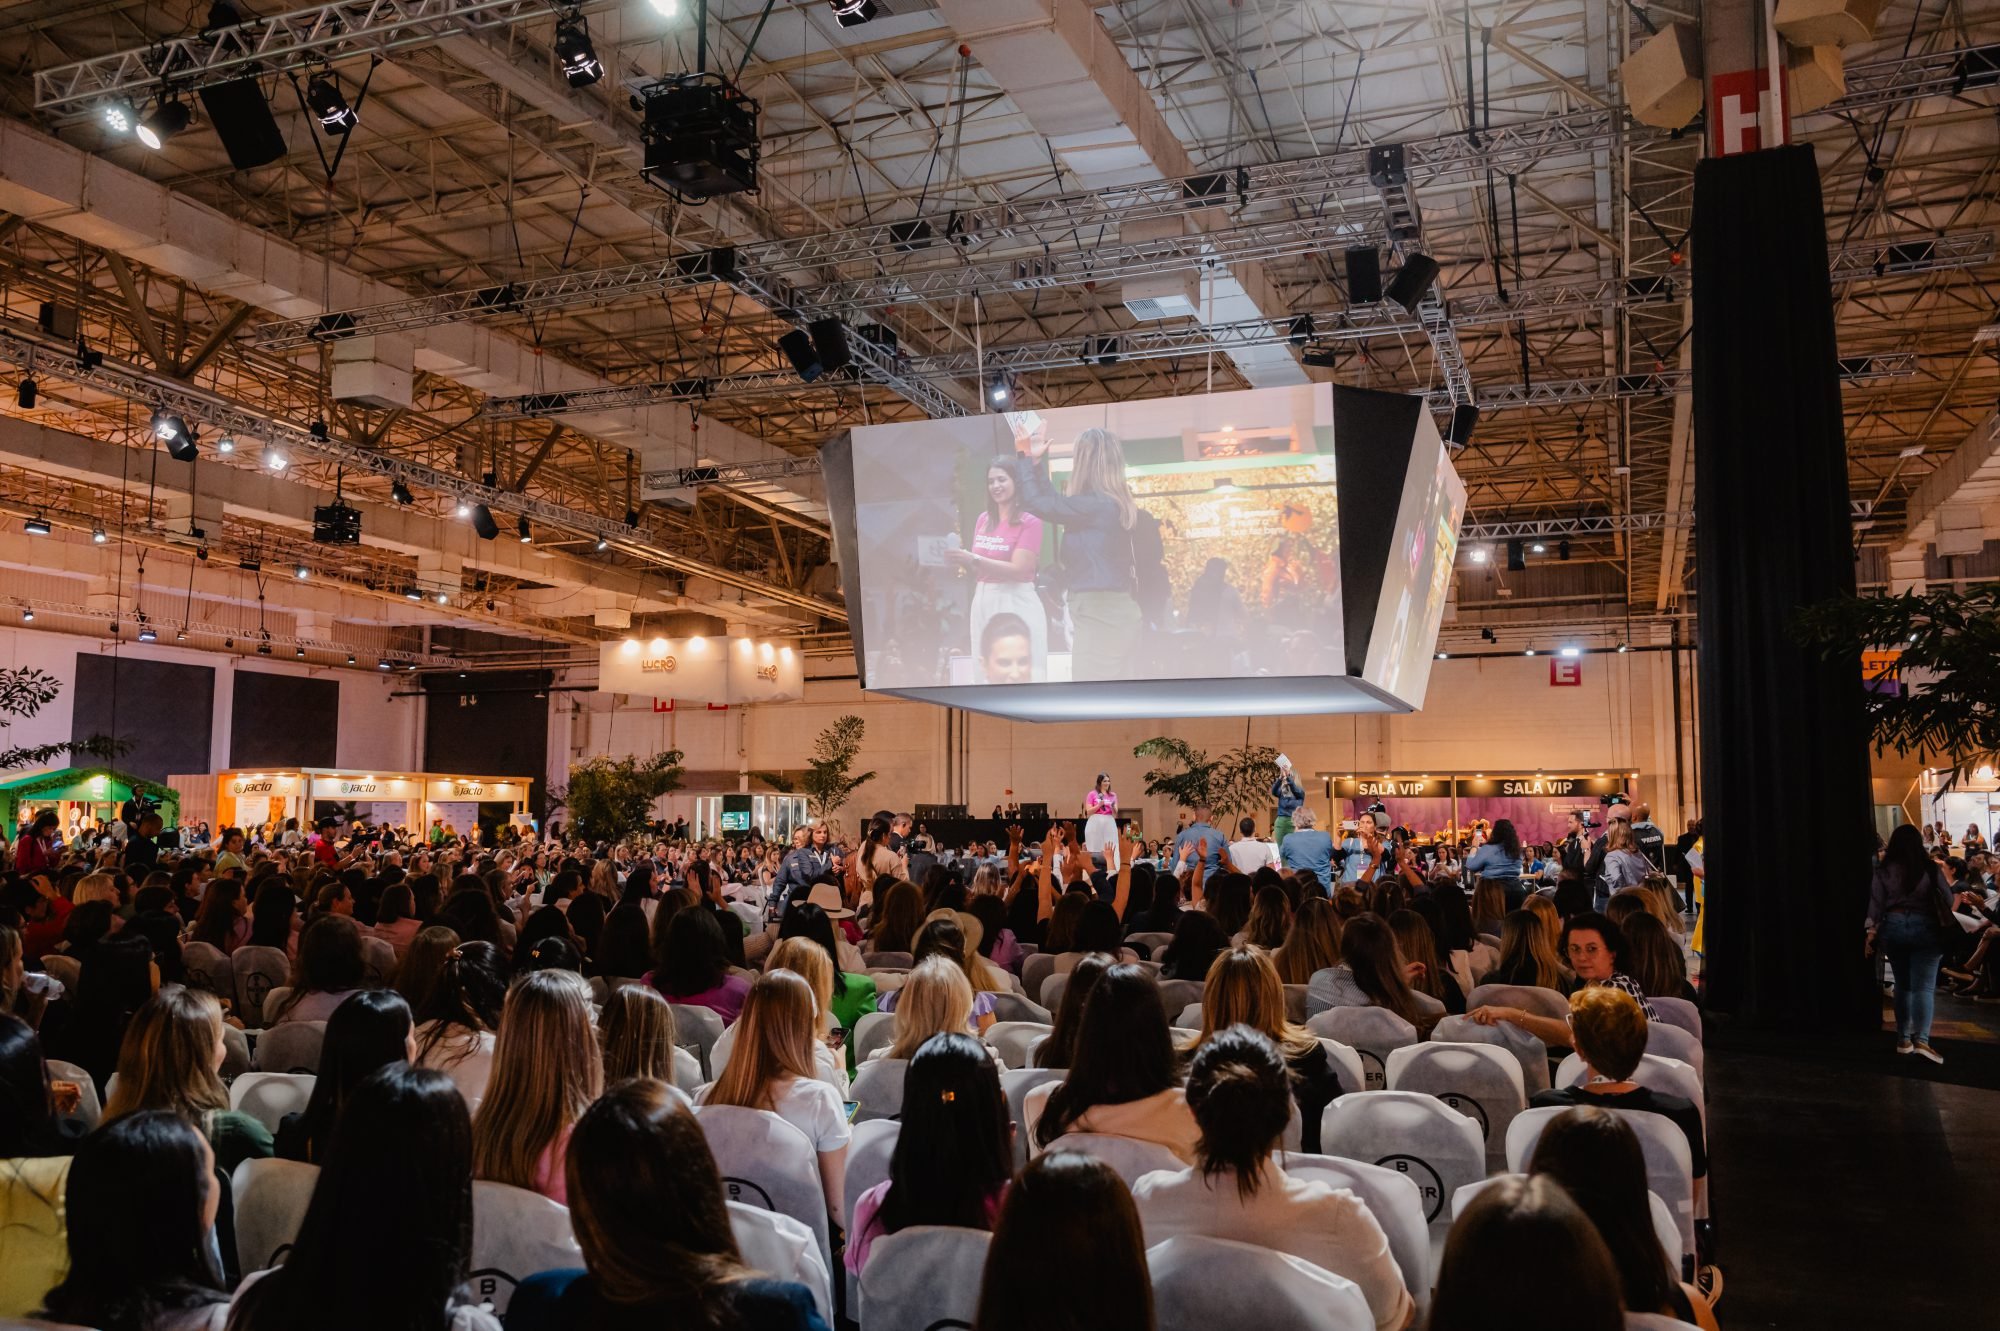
x: 1006, y: 552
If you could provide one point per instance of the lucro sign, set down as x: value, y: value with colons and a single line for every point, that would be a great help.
x: 701, y: 669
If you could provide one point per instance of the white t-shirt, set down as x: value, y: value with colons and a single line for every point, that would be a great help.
x: 1251, y: 854
x: 1327, y: 1226
x: 810, y: 1105
x: 464, y: 1056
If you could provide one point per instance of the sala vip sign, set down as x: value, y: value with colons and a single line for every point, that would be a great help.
x: 1565, y: 672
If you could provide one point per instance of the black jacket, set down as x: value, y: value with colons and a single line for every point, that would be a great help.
x: 1096, y: 549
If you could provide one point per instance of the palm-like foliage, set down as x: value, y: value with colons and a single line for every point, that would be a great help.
x: 1232, y: 782
x: 610, y: 798
x: 830, y: 779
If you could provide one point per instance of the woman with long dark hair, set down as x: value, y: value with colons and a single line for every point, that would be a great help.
x: 1523, y: 1257
x: 623, y: 951
x: 1122, y: 1078
x: 1067, y: 1253
x: 1060, y: 1046
x: 224, y: 919
x: 1243, y: 991
x: 369, y: 1030
x: 647, y: 1205
x: 458, y: 1023
x: 1006, y: 552
x: 1373, y: 973
x: 954, y: 1151
x: 1907, y: 903
x: 29, y: 1122
x: 1198, y: 940
x: 854, y: 995
x: 140, y: 1203
x: 387, y: 1236
x: 694, y: 969
x: 328, y: 968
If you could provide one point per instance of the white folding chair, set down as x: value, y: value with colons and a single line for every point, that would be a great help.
x: 919, y: 1277
x: 1189, y: 1017
x: 1668, y: 1076
x: 1527, y: 1050
x: 1484, y: 961
x: 687, y: 1071
x: 1664, y: 1228
x: 1347, y: 1066
x: 88, y: 1108
x: 1201, y: 1283
x: 1018, y: 1007
x: 269, y: 1198
x: 269, y: 1096
x: 1418, y: 1135
x: 766, y: 1162
x: 874, y: 1031
x: 1151, y: 941
x: 1053, y: 989
x: 1669, y: 1162
x: 869, y: 1152
x: 1035, y: 972
x: 274, y: 1002
x: 208, y: 969
x: 1395, y: 1201
x: 1679, y: 1012
x: 291, y: 1046
x: 895, y: 961
x: 782, y: 1249
x: 1372, y: 1032
x: 1478, y: 1080
x: 1673, y: 1042
x: 66, y: 969
x: 515, y: 1233
x: 1016, y: 1083
x: 878, y: 1088
x: 696, y: 1029
x: 1532, y: 999
x: 1015, y: 1041
x: 235, y: 1052
x: 1129, y: 1157
x: 258, y: 970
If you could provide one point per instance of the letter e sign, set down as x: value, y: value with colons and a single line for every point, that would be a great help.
x: 1565, y: 672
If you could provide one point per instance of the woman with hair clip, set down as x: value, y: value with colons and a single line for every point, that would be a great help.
x: 658, y: 1248
x: 954, y: 1151
x: 1241, y: 1095
x: 387, y: 1237
x: 1005, y: 556
x: 370, y: 1029
x: 773, y: 1068
x: 1243, y: 990
x: 546, y: 1071
x: 1067, y: 1253
x: 457, y: 1024
x: 140, y: 1203
x: 1097, y: 514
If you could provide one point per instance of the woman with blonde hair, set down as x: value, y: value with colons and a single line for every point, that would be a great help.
x: 809, y: 961
x: 1243, y: 990
x: 546, y: 1071
x: 1527, y: 952
x: 171, y: 1060
x: 936, y: 998
x: 637, y: 1030
x: 986, y: 977
x: 1098, y: 518
x: 774, y: 1068
x: 1270, y: 919
x: 1312, y: 944
x: 604, y: 881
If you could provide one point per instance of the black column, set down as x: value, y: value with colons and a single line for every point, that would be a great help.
x: 1784, y: 755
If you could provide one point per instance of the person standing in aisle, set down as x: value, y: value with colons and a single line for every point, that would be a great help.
x: 1907, y: 903
x: 1097, y: 514
x: 1648, y: 839
x: 1289, y: 794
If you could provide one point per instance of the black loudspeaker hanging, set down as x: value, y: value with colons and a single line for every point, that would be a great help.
x: 1464, y: 417
x: 1408, y: 287
x: 798, y: 349
x: 829, y: 339
x: 1517, y: 557
x: 243, y: 121
x: 483, y: 523
x: 1364, y: 275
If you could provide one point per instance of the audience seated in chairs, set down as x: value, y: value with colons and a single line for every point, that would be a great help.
x: 31, y: 1124
x: 636, y: 1030
x: 773, y: 1068
x: 1373, y: 973
x: 171, y: 1061
x: 1122, y: 1078
x: 1240, y: 1092
x: 369, y: 1030
x: 649, y: 1214
x: 141, y: 1203
x: 546, y: 1072
x: 1243, y: 989
x: 954, y: 1151
x: 1060, y: 1047
x: 943, y: 939
x: 1596, y: 1157
x: 328, y: 968
x: 1067, y: 1252
x: 386, y: 1239
x: 458, y: 1024
x: 1524, y: 1257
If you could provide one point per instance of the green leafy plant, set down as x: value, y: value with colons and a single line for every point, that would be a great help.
x: 611, y: 798
x: 830, y: 779
x: 1947, y: 708
x: 1235, y: 781
x: 24, y: 691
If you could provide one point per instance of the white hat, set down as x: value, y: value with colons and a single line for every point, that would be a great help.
x: 827, y: 897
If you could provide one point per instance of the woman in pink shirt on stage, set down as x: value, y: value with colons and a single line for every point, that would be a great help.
x: 1100, y: 832
x: 1006, y: 552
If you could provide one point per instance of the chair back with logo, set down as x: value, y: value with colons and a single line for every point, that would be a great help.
x: 270, y: 1198
x: 269, y: 1096
x: 768, y: 1163
x: 1372, y: 1032
x: 1129, y: 1157
x: 1347, y: 1065
x: 258, y: 971
x: 1528, y: 1050
x: 696, y: 1029
x: 515, y: 1233
x: 1478, y: 1080
x: 921, y: 1276
x: 1669, y: 1161
x: 208, y: 969
x: 878, y: 1088
x: 1395, y: 1201
x: 1201, y: 1283
x: 291, y: 1046
x: 1532, y: 999
x: 1419, y: 1135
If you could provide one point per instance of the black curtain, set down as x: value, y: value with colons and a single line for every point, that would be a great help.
x: 490, y: 723
x: 1784, y: 752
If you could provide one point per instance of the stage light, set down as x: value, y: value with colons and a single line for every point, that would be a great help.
x: 146, y: 633
x: 1572, y: 651
x: 666, y: 8
x: 274, y: 457
x: 464, y: 510
x: 24, y: 396
x: 575, y: 54
x: 413, y: 593
x: 27, y: 616
x: 444, y: 598
x: 167, y: 427
x: 1477, y: 554
x: 1562, y: 548
x: 1539, y: 548
x: 1225, y: 486
x: 119, y: 116
x: 329, y: 108
x: 401, y: 492
x: 302, y: 573
x: 603, y: 544
x: 264, y: 648
x: 1529, y: 652
x: 483, y: 523
x: 381, y: 665
x: 180, y: 635
x: 226, y: 444
x: 299, y: 652
x: 853, y: 13
x: 1487, y: 635
x: 527, y: 532
x: 1517, y: 559
x: 36, y: 526
x: 350, y: 658
x: 1443, y: 655
x: 999, y: 392
x: 97, y: 536
x: 167, y: 120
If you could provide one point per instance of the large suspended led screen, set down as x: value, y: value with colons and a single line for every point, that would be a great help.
x: 1174, y: 557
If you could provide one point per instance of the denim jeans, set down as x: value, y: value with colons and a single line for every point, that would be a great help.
x: 1910, y: 941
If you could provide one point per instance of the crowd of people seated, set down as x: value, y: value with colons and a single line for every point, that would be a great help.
x: 1089, y: 1068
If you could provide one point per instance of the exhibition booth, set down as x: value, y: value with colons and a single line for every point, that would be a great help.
x: 396, y: 799
x: 1972, y: 800
x: 81, y: 795
x: 1538, y: 803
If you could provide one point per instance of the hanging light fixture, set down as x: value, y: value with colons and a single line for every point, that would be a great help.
x: 574, y: 53
x: 527, y: 532
x: 401, y: 492
x: 329, y: 107
x: 119, y: 115
x: 169, y: 118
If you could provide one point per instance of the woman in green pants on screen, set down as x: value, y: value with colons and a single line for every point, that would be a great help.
x: 1097, y: 513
